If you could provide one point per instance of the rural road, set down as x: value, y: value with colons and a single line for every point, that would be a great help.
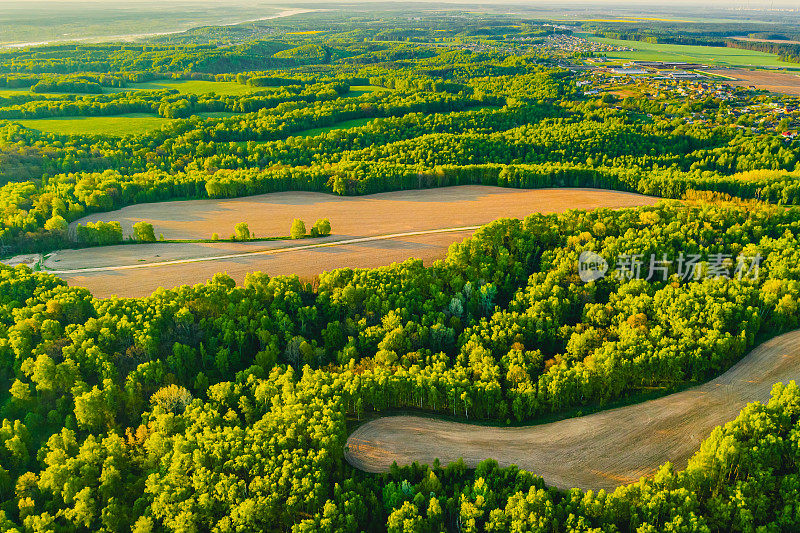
x: 597, y: 451
x: 272, y: 251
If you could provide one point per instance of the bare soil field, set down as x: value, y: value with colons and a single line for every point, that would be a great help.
x: 28, y: 260
x: 304, y: 263
x: 777, y: 82
x: 271, y: 215
x: 598, y: 451
x: 752, y: 40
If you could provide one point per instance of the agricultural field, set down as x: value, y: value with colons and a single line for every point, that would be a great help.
x: 644, y: 51
x: 270, y: 215
x: 221, y: 88
x: 276, y: 259
x: 778, y: 82
x: 198, y: 87
x: 13, y: 92
x: 114, y: 126
x: 26, y: 91
x: 777, y: 41
x: 598, y: 451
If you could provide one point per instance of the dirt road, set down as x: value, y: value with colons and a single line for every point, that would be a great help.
x: 598, y: 451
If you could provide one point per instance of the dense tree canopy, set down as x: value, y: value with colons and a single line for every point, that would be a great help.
x: 217, y: 406
x: 220, y: 407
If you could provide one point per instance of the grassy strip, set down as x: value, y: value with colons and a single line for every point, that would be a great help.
x: 111, y: 125
x: 221, y: 88
x: 337, y: 126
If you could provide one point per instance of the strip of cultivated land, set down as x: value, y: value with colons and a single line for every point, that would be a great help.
x: 776, y: 82
x: 376, y: 214
x: 388, y: 217
x: 598, y: 451
x: 302, y: 260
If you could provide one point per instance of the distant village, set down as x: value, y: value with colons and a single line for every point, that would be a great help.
x: 746, y: 108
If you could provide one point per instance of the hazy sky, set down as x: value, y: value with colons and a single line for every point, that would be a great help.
x: 754, y: 4
x: 655, y: 6
x: 49, y: 21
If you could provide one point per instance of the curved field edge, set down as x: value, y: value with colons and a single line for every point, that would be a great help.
x: 380, y: 213
x: 598, y: 451
x: 416, y: 219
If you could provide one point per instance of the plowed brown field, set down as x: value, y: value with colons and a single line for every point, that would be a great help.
x: 777, y: 82
x: 271, y: 214
x: 598, y: 451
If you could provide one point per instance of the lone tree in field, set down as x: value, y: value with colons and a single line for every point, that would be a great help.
x: 241, y: 231
x: 143, y: 232
x: 298, y: 230
x: 323, y: 227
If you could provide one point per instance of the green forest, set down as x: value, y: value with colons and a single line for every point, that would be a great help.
x: 221, y: 407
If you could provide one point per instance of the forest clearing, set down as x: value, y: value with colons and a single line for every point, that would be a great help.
x: 269, y: 215
x: 376, y: 214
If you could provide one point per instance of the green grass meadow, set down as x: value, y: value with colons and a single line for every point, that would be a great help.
x: 11, y: 92
x: 222, y: 88
x: 712, y: 55
x: 338, y: 126
x: 116, y: 126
